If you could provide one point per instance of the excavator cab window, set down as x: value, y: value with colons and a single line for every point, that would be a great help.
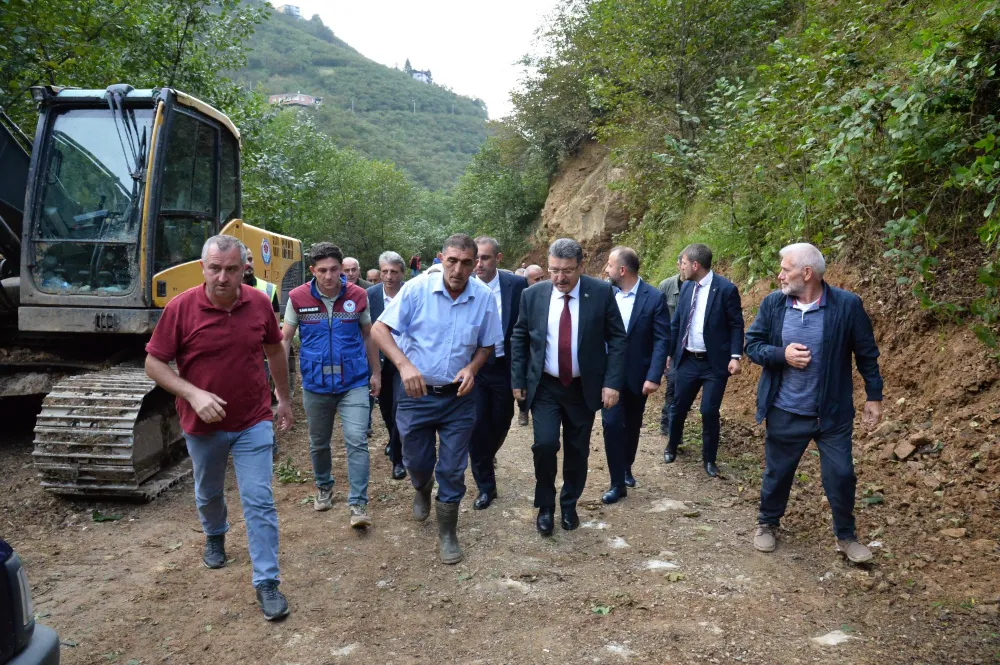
x: 86, y: 235
x: 188, y: 203
x: 229, y: 187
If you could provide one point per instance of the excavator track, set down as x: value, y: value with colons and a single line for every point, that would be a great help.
x: 110, y: 433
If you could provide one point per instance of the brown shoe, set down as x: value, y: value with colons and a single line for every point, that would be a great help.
x: 764, y: 538
x: 854, y: 551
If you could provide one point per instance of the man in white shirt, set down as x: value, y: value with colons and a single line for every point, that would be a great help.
x: 494, y: 399
x: 706, y: 336
x: 647, y: 335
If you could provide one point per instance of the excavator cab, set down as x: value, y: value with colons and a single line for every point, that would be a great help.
x: 122, y: 189
x: 124, y: 186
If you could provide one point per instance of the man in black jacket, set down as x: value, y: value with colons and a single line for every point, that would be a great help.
x: 567, y: 354
x: 391, y: 270
x: 494, y: 399
x: 706, y: 336
x: 803, y: 337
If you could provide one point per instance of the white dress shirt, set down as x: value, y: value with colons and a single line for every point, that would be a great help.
x: 626, y: 301
x: 495, y: 288
x: 556, y: 304
x: 696, y: 337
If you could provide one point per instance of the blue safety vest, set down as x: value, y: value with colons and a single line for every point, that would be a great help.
x: 332, y: 355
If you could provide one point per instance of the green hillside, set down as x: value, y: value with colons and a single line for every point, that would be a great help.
x: 428, y: 131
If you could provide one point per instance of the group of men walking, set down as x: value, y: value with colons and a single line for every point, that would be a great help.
x: 447, y: 355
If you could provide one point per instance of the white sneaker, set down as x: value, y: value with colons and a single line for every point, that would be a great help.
x: 359, y: 516
x: 324, y: 499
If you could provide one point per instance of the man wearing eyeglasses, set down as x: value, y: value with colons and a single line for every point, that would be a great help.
x: 568, y: 361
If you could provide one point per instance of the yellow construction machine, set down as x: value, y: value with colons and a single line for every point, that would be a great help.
x: 102, y: 221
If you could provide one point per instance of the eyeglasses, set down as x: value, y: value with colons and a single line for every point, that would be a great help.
x: 562, y: 272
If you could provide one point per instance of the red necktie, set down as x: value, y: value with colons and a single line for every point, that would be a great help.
x: 566, y: 344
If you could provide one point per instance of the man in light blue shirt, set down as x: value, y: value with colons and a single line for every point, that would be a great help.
x: 439, y: 331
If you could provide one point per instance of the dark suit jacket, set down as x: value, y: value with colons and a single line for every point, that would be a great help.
x: 511, y: 286
x: 376, y: 305
x: 723, y: 324
x: 600, y: 340
x: 646, y: 338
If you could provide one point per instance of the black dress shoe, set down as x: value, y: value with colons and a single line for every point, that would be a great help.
x: 398, y: 472
x: 484, y: 500
x: 612, y: 495
x: 388, y: 449
x: 711, y: 470
x: 669, y: 457
x: 544, y: 523
x: 570, y: 520
x: 629, y: 479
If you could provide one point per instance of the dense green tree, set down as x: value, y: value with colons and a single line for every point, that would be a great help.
x: 147, y: 43
x: 503, y: 190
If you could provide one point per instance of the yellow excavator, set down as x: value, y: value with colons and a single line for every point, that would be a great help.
x: 102, y: 220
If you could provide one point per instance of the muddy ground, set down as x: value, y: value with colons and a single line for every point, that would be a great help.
x: 666, y: 576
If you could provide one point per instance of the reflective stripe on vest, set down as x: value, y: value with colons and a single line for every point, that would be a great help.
x: 266, y: 287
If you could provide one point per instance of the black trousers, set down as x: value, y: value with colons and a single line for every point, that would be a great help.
x: 622, y: 426
x: 668, y: 399
x: 788, y: 435
x: 556, y: 405
x: 387, y: 405
x: 494, y: 411
x: 691, y: 376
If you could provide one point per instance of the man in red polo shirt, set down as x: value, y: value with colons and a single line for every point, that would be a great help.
x: 215, y: 333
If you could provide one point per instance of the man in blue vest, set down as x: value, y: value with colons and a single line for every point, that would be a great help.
x: 336, y: 358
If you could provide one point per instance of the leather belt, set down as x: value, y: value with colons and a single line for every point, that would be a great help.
x: 443, y: 391
x: 699, y: 355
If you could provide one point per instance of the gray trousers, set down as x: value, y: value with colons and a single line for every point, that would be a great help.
x: 353, y: 409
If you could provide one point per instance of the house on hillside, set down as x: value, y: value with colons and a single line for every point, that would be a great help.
x: 291, y: 10
x: 294, y: 99
x: 422, y: 75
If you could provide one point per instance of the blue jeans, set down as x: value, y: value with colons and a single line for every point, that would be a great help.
x: 420, y: 421
x: 788, y: 435
x: 353, y: 409
x: 252, y: 459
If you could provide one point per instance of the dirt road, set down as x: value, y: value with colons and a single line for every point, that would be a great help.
x: 666, y: 576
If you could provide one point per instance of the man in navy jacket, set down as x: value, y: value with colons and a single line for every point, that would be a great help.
x: 494, y: 397
x: 647, y: 332
x: 706, y: 336
x: 804, y: 336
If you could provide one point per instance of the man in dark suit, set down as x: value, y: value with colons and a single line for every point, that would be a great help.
x: 568, y: 360
x: 391, y: 269
x: 494, y: 399
x: 647, y: 332
x: 706, y: 337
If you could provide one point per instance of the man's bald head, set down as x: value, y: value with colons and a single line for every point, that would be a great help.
x: 534, y: 274
x: 352, y: 269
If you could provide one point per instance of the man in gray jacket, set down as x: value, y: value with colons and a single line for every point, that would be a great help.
x: 671, y: 288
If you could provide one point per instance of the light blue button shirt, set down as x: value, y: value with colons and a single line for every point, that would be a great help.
x: 440, y: 335
x: 626, y: 301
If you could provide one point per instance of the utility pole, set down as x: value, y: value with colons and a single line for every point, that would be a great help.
x: 414, y: 105
x: 352, y: 104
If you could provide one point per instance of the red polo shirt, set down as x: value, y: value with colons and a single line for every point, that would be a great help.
x: 220, y: 352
